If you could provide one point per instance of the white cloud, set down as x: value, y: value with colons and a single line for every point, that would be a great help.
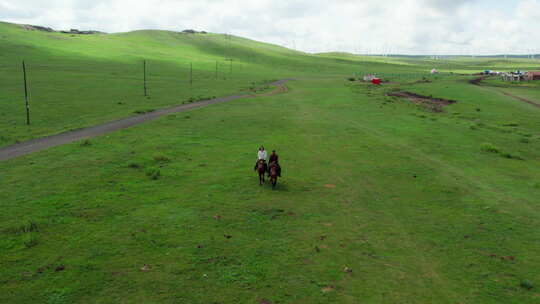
x: 412, y: 26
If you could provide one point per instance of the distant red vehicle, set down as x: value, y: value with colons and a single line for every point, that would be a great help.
x: 376, y: 81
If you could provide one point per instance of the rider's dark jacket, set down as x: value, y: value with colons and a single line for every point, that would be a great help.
x: 274, y: 158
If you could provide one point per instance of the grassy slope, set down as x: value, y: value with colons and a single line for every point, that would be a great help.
x: 82, y: 80
x: 404, y: 237
x: 404, y: 198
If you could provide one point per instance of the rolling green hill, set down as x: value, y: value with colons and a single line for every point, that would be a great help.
x: 81, y: 80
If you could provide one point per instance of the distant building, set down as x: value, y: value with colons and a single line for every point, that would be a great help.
x: 369, y: 77
x: 534, y: 75
x: 434, y: 71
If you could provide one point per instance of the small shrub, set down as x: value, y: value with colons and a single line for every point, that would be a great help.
x: 511, y: 124
x: 143, y: 111
x: 487, y: 147
x: 28, y: 227
x: 525, y: 140
x: 134, y: 165
x: 351, y: 79
x: 160, y: 158
x: 86, y: 143
x: 153, y: 173
x: 30, y: 240
x: 511, y: 156
x: 527, y: 284
x: 506, y: 155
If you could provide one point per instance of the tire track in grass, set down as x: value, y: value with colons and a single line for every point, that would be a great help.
x: 478, y: 82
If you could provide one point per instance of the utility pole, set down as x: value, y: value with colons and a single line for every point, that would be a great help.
x: 26, y: 94
x: 191, y: 79
x: 191, y: 74
x: 230, y: 70
x: 144, y: 77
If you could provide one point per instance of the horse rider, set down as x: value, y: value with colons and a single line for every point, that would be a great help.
x: 261, y: 154
x: 274, y: 160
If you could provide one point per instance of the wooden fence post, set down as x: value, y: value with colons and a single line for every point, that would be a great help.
x: 26, y: 94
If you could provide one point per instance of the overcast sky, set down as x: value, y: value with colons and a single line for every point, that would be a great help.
x: 400, y: 26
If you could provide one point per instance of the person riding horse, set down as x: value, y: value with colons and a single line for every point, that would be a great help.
x: 261, y: 155
x: 274, y: 161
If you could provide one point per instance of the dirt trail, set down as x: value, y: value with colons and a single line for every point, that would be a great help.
x: 38, y: 144
x: 536, y: 104
x: 478, y: 82
x: 430, y: 103
x: 280, y: 89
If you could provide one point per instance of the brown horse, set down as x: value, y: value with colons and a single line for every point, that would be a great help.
x: 273, y: 173
x: 261, y: 169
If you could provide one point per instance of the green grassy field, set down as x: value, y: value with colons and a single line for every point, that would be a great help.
x: 381, y: 201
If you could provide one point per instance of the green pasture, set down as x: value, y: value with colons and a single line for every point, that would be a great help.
x: 381, y: 200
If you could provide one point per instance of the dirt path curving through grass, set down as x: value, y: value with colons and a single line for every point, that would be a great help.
x: 280, y: 89
x: 39, y: 144
x: 478, y: 82
x: 536, y: 104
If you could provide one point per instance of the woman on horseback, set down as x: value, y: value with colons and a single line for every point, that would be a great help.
x: 261, y: 155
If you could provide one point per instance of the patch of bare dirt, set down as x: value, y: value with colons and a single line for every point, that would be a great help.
x: 280, y: 89
x: 476, y: 81
x: 430, y: 103
x: 60, y: 268
x: 328, y: 289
